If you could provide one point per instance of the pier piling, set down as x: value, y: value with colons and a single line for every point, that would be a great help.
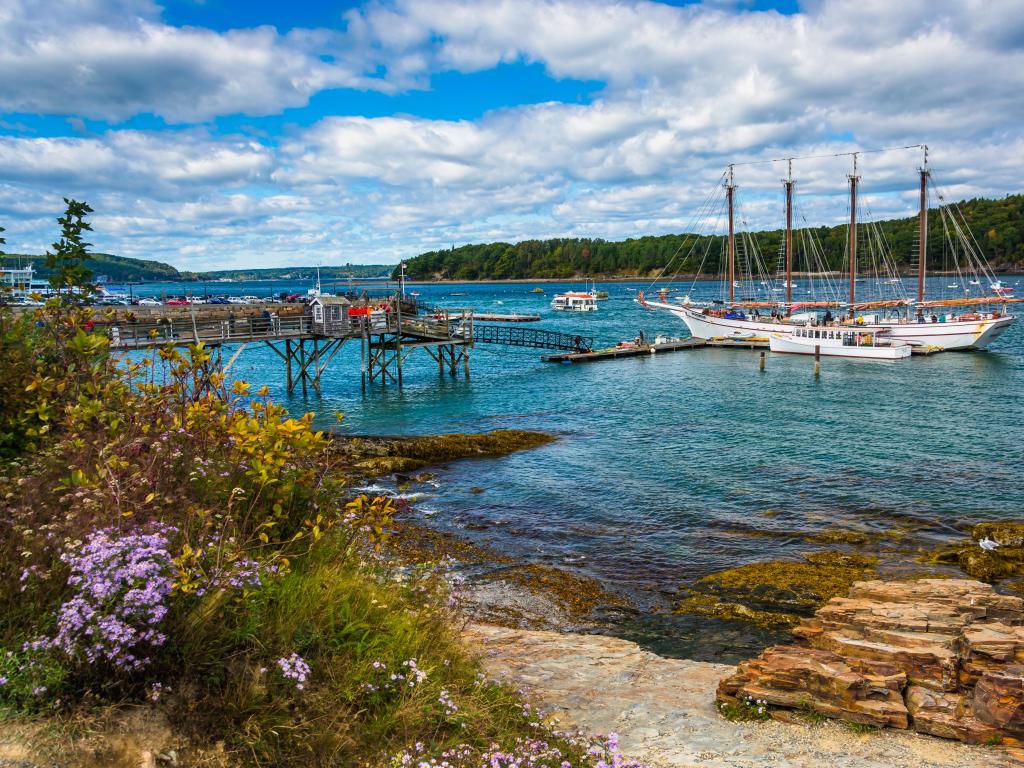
x: 817, y: 361
x: 761, y: 364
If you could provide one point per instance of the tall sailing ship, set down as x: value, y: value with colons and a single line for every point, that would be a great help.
x: 951, y: 322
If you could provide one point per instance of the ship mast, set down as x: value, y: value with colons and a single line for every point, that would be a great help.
x: 922, y: 223
x: 788, y: 181
x: 854, y: 178
x: 730, y: 188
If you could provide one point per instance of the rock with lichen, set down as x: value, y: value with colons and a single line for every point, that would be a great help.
x: 1005, y: 534
x: 776, y: 592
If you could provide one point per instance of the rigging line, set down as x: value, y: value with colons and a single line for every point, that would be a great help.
x: 834, y: 154
x: 695, y: 220
x: 709, y: 215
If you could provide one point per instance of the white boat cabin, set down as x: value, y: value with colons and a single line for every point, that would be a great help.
x: 575, y: 302
x: 846, y: 337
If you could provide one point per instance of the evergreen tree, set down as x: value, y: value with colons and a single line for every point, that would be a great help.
x: 70, y: 252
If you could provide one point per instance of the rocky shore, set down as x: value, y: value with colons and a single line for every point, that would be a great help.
x: 664, y: 709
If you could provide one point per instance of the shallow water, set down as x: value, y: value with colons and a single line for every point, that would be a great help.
x: 667, y: 464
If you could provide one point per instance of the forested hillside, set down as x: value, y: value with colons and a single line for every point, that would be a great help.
x: 117, y: 268
x: 998, y: 226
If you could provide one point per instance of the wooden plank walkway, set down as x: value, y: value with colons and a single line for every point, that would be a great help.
x: 680, y: 345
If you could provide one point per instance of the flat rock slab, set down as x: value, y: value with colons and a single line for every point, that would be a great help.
x: 664, y: 709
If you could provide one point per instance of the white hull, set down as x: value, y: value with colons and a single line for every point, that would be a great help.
x: 779, y: 342
x: 960, y: 334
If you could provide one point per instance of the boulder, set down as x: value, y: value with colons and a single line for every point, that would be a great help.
x: 822, y: 681
x: 946, y: 715
x: 988, y: 646
x: 963, y: 596
x: 999, y: 699
x: 940, y: 656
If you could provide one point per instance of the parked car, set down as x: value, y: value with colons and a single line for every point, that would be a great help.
x: 218, y: 300
x: 236, y: 300
x: 252, y: 299
x: 149, y: 303
x: 177, y: 302
x: 195, y: 300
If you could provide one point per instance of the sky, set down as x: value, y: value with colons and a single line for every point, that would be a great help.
x: 216, y: 134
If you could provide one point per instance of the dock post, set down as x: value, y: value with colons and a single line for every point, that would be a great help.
x: 316, y: 366
x: 302, y: 366
x: 398, y: 338
x: 362, y: 353
x: 288, y: 364
x: 762, y: 361
x: 465, y: 361
x: 817, y: 361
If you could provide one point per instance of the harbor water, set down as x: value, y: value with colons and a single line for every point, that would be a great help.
x: 669, y: 467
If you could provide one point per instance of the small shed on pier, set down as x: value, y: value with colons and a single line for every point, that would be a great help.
x: 329, y: 312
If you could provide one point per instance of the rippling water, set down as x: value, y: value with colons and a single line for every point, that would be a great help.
x: 667, y: 464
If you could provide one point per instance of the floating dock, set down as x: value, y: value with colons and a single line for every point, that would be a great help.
x: 490, y: 318
x: 638, y: 350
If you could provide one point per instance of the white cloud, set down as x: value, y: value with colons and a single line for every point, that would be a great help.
x: 113, y: 61
x: 688, y: 90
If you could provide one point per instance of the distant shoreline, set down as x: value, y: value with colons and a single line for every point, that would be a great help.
x: 371, y: 282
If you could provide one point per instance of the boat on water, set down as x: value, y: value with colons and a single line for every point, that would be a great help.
x: 537, y: 290
x: 602, y: 295
x: 946, y: 323
x: 839, y: 342
x: 575, y: 301
x: 1003, y: 290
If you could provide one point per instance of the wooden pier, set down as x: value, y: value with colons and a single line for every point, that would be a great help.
x: 306, y: 343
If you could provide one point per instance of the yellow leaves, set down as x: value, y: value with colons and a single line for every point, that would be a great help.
x: 240, y: 388
x: 263, y: 391
x: 263, y: 537
x: 149, y: 497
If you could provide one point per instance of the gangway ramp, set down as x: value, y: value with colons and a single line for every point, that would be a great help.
x: 533, y: 338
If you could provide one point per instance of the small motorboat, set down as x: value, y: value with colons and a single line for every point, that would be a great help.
x: 1000, y: 289
x: 538, y: 289
x: 839, y: 342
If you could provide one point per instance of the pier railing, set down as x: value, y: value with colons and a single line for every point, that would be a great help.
x: 181, y: 331
x: 534, y: 338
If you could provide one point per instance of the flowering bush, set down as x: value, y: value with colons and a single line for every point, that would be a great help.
x: 525, y: 753
x: 174, y: 540
x: 121, y: 585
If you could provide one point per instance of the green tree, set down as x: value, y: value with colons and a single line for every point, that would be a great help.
x: 69, y: 253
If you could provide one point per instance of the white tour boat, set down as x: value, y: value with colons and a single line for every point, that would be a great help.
x: 838, y: 342
x: 575, y: 301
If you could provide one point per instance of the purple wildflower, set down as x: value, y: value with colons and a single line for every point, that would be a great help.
x: 294, y: 668
x: 122, y: 586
